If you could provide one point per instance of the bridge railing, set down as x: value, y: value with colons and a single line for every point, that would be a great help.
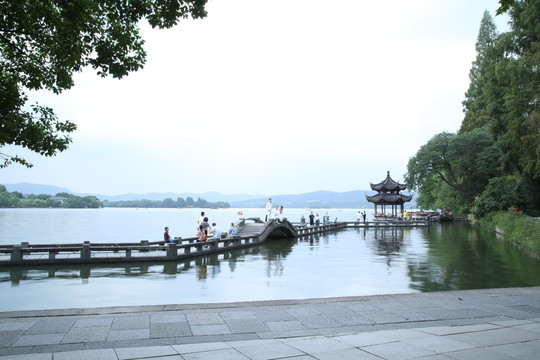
x: 145, y: 250
x: 87, y: 252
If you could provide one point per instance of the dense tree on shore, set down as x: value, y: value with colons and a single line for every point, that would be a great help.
x: 501, y: 123
x: 62, y: 200
x: 43, y: 43
x: 167, y: 203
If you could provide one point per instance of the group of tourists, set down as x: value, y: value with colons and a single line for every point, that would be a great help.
x: 315, y: 220
x: 278, y: 212
x: 360, y: 215
x: 205, y: 231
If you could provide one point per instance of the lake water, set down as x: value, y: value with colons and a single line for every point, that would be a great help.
x: 343, y: 263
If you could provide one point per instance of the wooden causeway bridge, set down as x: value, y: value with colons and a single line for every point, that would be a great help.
x: 251, y: 231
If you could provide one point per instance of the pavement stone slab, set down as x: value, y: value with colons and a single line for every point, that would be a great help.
x: 53, y: 325
x: 363, y: 339
x: 86, y: 334
x: 449, y: 330
x: 265, y: 349
x: 135, y: 334
x: 524, y: 350
x: 238, y: 315
x: 246, y: 326
x: 353, y: 320
x: 8, y: 338
x: 144, y: 352
x: 495, y: 337
x: 17, y: 325
x: 381, y: 317
x: 317, y: 344
x: 210, y: 329
x: 400, y: 350
x: 204, y: 319
x: 101, y: 354
x: 43, y: 356
x: 279, y: 326
x: 479, y: 354
x: 228, y: 354
x: 94, y: 321
x: 163, y: 330
x: 318, y: 322
x: 346, y: 354
x: 273, y: 314
x: 131, y: 323
x: 200, y: 347
x: 39, y: 339
x: 168, y: 317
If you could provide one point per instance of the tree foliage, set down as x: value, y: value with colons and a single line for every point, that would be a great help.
x: 167, y: 203
x: 452, y: 169
x: 494, y: 160
x: 62, y: 200
x: 43, y: 43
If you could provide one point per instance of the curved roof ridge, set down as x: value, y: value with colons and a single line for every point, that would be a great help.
x: 388, y: 184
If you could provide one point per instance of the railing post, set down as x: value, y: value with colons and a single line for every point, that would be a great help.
x: 85, y: 252
x: 172, y: 250
x: 16, y: 253
x: 144, y: 243
x: 128, y: 253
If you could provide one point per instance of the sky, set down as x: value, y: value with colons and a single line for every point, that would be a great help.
x: 269, y: 97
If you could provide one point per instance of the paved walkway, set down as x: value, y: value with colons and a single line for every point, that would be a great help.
x: 473, y: 324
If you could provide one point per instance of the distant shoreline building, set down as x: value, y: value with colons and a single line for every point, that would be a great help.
x: 388, y: 195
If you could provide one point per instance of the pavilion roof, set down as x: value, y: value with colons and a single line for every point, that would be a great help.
x: 389, y: 199
x: 388, y: 185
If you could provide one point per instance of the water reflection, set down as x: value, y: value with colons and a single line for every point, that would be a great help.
x: 272, y: 252
x: 461, y: 256
x: 344, y: 263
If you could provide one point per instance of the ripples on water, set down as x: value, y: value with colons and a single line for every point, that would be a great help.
x: 344, y: 263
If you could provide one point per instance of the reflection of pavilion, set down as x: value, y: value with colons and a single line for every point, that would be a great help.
x: 388, y: 194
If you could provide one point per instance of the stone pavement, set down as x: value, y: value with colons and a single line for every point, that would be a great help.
x: 470, y: 324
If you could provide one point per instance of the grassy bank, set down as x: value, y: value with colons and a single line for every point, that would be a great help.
x: 517, y: 228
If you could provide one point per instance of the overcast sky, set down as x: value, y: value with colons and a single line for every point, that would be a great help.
x: 270, y: 97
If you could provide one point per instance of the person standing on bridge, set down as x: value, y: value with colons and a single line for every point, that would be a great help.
x: 311, y: 219
x: 268, y: 209
x: 201, y: 219
x: 206, y: 225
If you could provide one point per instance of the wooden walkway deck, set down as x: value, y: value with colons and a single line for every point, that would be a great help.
x: 251, y: 231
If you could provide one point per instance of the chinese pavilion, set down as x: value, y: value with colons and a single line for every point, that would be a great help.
x: 388, y: 194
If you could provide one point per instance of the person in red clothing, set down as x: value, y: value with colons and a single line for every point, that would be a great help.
x: 166, y: 236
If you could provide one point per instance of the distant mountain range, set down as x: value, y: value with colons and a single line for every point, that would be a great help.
x: 315, y: 200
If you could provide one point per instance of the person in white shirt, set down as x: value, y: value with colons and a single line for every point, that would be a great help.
x: 199, y: 222
x: 280, y: 214
x: 268, y: 209
x: 217, y: 232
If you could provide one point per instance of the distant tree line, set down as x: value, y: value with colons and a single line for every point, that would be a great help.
x: 167, y: 203
x: 16, y: 199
